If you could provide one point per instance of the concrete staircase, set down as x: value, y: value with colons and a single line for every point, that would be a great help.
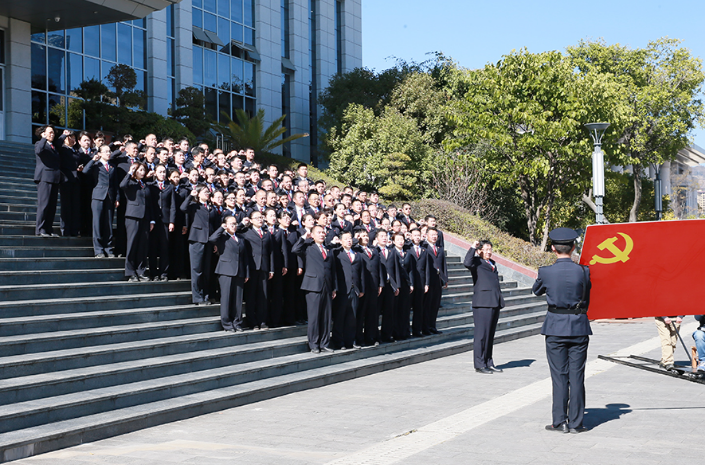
x: 84, y: 355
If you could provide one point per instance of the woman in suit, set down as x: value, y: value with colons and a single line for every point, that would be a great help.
x: 198, y: 211
x: 139, y: 221
x: 47, y: 176
x: 69, y: 160
x: 280, y: 249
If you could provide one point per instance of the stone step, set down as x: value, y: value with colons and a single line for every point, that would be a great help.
x: 23, y: 208
x: 136, y: 299
x: 65, y: 276
x: 336, y: 367
x: 44, y: 252
x: 66, y: 264
x: 69, y: 291
x: 467, y: 296
x: 36, y: 241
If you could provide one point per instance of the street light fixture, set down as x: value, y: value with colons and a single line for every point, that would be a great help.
x: 597, y: 130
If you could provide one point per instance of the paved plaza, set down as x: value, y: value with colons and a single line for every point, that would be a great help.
x: 442, y: 412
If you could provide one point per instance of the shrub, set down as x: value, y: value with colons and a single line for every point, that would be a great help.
x: 461, y: 222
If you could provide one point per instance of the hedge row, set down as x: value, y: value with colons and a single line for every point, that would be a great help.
x: 461, y: 222
x: 266, y: 158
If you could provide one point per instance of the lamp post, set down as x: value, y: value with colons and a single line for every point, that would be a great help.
x: 597, y: 130
x: 658, y: 194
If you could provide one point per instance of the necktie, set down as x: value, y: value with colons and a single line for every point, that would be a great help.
x: 259, y: 231
x: 271, y: 230
x: 323, y: 252
x: 234, y: 238
x: 384, y: 251
x: 342, y: 224
x: 491, y: 265
x: 350, y: 256
x: 161, y: 186
x: 417, y: 250
x: 434, y: 251
x: 141, y: 184
x: 369, y: 253
x: 107, y: 167
x: 181, y: 169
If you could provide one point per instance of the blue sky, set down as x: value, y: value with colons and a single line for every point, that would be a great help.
x: 475, y: 33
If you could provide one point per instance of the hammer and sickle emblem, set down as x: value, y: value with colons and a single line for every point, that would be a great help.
x: 618, y: 255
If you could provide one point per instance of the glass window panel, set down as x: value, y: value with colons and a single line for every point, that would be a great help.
x: 236, y: 31
x: 210, y: 22
x: 139, y: 48
x: 39, y: 37
x: 197, y: 65
x: 124, y: 44
x: 74, y: 40
x: 237, y: 103
x: 236, y: 10
x: 249, y: 79
x: 197, y: 18
x: 224, y: 30
x: 211, y: 103
x: 197, y: 3
x: 141, y: 22
x: 39, y: 67
x: 170, y: 21
x: 140, y: 87
x: 56, y: 70
x: 209, y: 68
x: 249, y: 36
x: 74, y: 71
x: 105, y: 68
x: 75, y: 114
x: 39, y: 107
x: 170, y: 57
x: 57, y: 110
x: 224, y: 8
x: 92, y: 69
x: 249, y: 9
x: 172, y: 93
x: 223, y: 71
x: 56, y: 39
x: 92, y: 36
x: 224, y: 106
x: 107, y: 36
x: 237, y: 76
x: 209, y: 5
x: 250, y: 107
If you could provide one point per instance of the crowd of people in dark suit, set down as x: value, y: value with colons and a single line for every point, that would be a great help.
x: 296, y: 251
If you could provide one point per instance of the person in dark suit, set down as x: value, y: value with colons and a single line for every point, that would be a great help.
x: 139, y: 221
x: 70, y: 189
x: 103, y: 198
x: 420, y: 272
x: 367, y: 329
x: 351, y: 284
x: 122, y: 160
x: 289, y: 280
x: 198, y: 212
x: 405, y: 215
x: 392, y: 279
x: 406, y: 287
x: 86, y: 182
x: 233, y: 272
x: 162, y: 193
x: 437, y: 282
x: 280, y: 251
x: 259, y: 243
x: 487, y: 301
x: 431, y: 223
x: 320, y: 285
x: 178, y: 245
x: 567, y: 330
x: 47, y: 176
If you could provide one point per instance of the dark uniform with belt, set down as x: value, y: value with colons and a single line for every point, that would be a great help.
x: 567, y: 330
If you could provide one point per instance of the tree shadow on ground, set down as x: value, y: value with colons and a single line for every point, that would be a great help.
x: 598, y: 416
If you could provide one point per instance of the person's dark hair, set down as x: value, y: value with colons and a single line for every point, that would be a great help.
x: 196, y: 151
x: 346, y: 195
x: 298, y: 193
x: 253, y: 171
x: 320, y: 181
x: 83, y: 133
x: 563, y: 248
x: 428, y: 217
x: 405, y: 204
x: 392, y: 206
x: 130, y: 143
x: 381, y: 231
x: 168, y: 139
x: 269, y: 210
x: 168, y: 174
x: 344, y: 232
x: 283, y: 213
x: 221, y: 172
x: 327, y: 211
x: 249, y: 148
x: 253, y: 212
x: 38, y: 132
x: 336, y: 205
x: 312, y: 192
x: 396, y: 222
x: 192, y: 170
x: 429, y: 229
x: 185, y: 139
x: 99, y: 135
x: 484, y: 243
x: 300, y: 165
x: 306, y: 216
x: 138, y: 165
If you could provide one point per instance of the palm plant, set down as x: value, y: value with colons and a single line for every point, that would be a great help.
x: 250, y: 132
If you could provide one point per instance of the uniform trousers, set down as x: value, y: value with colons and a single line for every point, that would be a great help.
x: 367, y: 324
x: 431, y: 303
x: 47, y: 197
x: 289, y: 291
x: 137, y: 230
x: 276, y: 298
x: 344, y: 319
x: 256, y: 297
x: 102, y: 225
x: 566, y: 359
x: 200, y: 268
x: 417, y: 298
x: 159, y: 250
x: 319, y: 307
x: 387, y: 307
x: 120, y: 229
x: 70, y: 207
x: 403, y: 313
x: 178, y: 260
x: 231, y: 291
x: 485, y: 322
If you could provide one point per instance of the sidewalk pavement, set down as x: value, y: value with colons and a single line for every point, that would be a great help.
x: 442, y: 412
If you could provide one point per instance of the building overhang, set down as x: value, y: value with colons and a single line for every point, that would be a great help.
x: 691, y: 156
x: 54, y: 15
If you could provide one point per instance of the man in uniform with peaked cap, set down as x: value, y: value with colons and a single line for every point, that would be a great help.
x: 567, y: 330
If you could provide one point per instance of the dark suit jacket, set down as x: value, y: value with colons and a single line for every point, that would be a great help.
x: 420, y: 270
x: 233, y: 260
x: 562, y: 283
x: 390, y: 269
x: 349, y: 274
x: 374, y: 273
x: 199, y: 217
x: 69, y: 159
x: 48, y: 167
x: 105, y: 183
x: 280, y: 250
x: 318, y: 272
x: 122, y: 162
x: 438, y: 263
x: 139, y: 201
x: 404, y: 265
x: 260, y: 250
x: 486, y: 290
x: 165, y: 200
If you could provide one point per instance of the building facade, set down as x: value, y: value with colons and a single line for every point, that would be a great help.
x: 274, y: 55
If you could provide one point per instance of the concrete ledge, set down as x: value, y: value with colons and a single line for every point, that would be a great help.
x: 507, y: 268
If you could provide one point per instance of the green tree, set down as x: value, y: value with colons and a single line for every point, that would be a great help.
x: 661, y: 88
x: 369, y: 150
x: 191, y: 111
x: 251, y: 132
x: 123, y: 79
x: 530, y: 110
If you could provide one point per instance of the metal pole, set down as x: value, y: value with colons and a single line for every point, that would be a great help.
x: 658, y: 196
x: 690, y: 357
x: 598, y: 181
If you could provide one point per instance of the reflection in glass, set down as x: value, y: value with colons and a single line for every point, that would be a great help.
x: 105, y: 68
x: 236, y: 10
x: 197, y: 18
x: 57, y: 110
x: 55, y: 38
x: 92, y: 69
x: 39, y: 107
x: 75, y: 114
x: 224, y: 30
x: 141, y: 22
x: 74, y: 40
x: 170, y: 68
x: 211, y: 103
x: 223, y: 106
x: 224, y: 8
x: 197, y: 65
x: 140, y: 49
x: 223, y: 71
x: 197, y: 3
x: 107, y: 36
x: 209, y: 5
x: 249, y: 79
x: 249, y: 9
x: 210, y: 22
x: 75, y: 71
x: 39, y: 37
x: 92, y: 36
x: 249, y: 36
x: 238, y: 77
x: 56, y: 71
x: 124, y: 44
x: 209, y: 68
x: 39, y: 67
x: 250, y: 107
x: 237, y: 103
x: 236, y: 31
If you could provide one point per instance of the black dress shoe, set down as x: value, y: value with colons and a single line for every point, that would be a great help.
x: 263, y: 326
x: 426, y: 333
x: 496, y: 370
x: 562, y: 428
x: 579, y: 429
x: 484, y: 371
x: 326, y: 349
x: 417, y: 335
x: 143, y: 278
x: 133, y: 279
x: 164, y: 279
x: 434, y: 331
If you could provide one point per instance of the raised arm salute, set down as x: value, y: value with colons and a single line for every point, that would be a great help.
x: 47, y: 176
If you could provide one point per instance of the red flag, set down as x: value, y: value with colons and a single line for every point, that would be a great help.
x: 645, y: 269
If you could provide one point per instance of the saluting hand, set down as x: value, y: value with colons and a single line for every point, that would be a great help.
x: 194, y: 193
x: 96, y: 157
x: 475, y: 245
